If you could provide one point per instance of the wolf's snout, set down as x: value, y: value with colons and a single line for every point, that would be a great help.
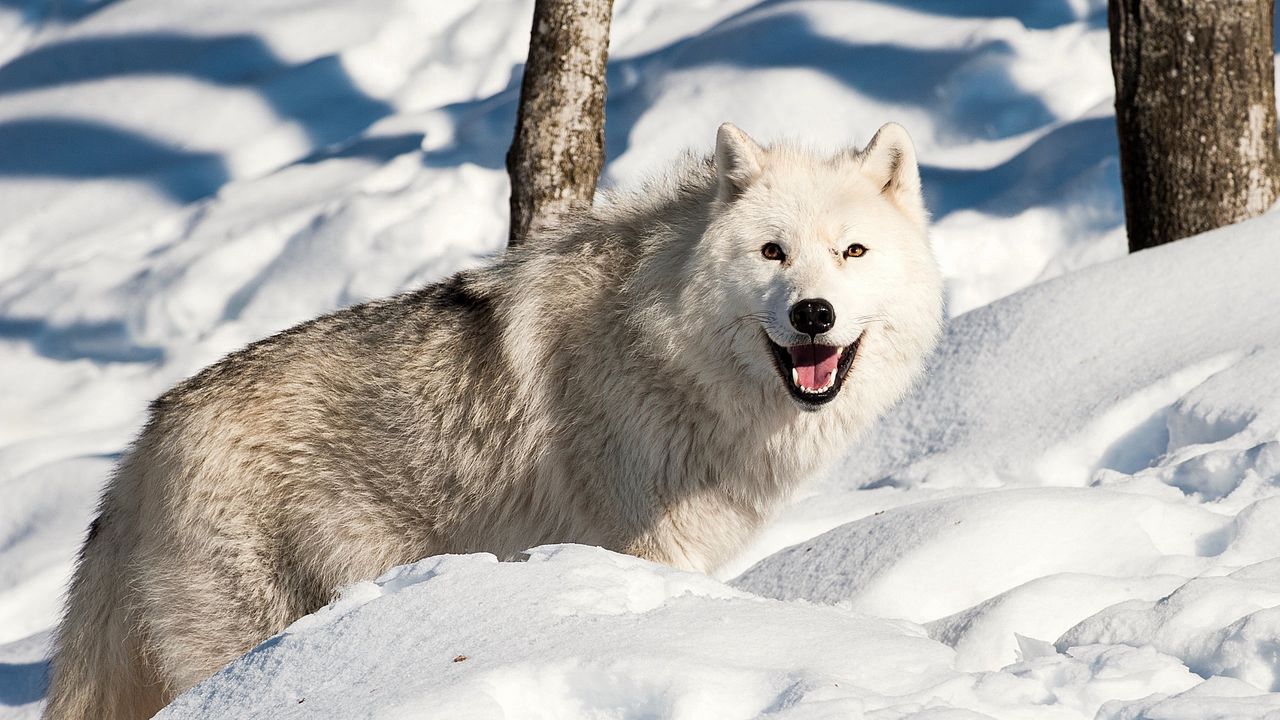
x: 813, y: 316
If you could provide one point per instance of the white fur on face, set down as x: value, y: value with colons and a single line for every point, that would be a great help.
x: 814, y: 208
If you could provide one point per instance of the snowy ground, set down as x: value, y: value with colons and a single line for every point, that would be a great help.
x: 1075, y: 516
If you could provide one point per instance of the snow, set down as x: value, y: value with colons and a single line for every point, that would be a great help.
x: 1073, y: 517
x: 509, y: 638
x: 581, y: 632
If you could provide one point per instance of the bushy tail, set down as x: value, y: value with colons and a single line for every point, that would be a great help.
x: 99, y: 672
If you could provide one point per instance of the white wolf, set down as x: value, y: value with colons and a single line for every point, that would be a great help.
x: 652, y: 376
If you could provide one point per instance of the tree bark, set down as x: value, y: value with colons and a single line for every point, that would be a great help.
x: 1196, y: 114
x: 558, y: 152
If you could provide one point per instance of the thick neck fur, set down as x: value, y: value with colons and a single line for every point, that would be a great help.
x: 617, y: 309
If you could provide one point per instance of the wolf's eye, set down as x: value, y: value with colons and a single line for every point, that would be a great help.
x: 855, y: 250
x: 773, y: 251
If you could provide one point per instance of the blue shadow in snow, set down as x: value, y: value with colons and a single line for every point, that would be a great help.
x: 917, y: 77
x: 100, y: 342
x: 896, y: 74
x: 383, y: 148
x: 35, y: 12
x: 1033, y: 14
x: 1029, y: 177
x: 22, y: 683
x: 58, y: 147
x: 318, y: 96
x: 485, y: 127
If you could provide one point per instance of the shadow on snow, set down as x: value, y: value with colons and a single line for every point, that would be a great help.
x: 318, y: 96
x: 58, y: 147
x: 22, y: 683
x: 101, y: 342
x: 988, y: 106
x: 37, y: 12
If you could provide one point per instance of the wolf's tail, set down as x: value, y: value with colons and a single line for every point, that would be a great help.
x: 99, y: 672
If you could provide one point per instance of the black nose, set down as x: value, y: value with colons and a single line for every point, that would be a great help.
x: 813, y: 316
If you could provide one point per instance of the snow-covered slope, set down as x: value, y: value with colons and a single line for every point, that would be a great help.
x: 178, y: 178
x: 583, y: 633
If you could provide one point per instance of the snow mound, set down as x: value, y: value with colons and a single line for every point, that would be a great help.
x: 572, y: 632
x: 1227, y: 625
x: 584, y: 633
x: 1217, y: 698
x: 926, y: 560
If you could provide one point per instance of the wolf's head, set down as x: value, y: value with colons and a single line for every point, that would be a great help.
x: 821, y: 267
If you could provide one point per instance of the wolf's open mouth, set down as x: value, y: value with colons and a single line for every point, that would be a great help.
x: 813, y: 373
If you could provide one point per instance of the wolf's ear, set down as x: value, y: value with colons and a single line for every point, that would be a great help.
x: 739, y: 161
x: 889, y: 161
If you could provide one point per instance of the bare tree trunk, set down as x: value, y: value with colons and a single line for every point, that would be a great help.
x: 1196, y: 114
x: 558, y: 151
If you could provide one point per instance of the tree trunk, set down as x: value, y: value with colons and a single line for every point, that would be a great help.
x: 1196, y: 114
x: 558, y: 151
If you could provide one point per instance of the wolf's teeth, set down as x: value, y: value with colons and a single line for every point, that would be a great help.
x: 795, y: 378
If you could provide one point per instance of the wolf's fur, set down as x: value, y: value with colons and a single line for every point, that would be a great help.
x: 607, y: 383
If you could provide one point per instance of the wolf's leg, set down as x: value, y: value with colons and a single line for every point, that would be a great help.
x: 99, y: 669
x: 208, y: 602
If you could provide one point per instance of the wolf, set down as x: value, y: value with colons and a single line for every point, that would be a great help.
x: 652, y: 375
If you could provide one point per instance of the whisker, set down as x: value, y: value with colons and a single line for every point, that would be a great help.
x: 758, y: 317
x: 874, y: 317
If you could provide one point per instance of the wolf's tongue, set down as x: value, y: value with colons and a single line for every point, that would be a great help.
x: 814, y: 364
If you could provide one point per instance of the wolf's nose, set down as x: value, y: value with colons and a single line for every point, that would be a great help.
x: 813, y: 316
